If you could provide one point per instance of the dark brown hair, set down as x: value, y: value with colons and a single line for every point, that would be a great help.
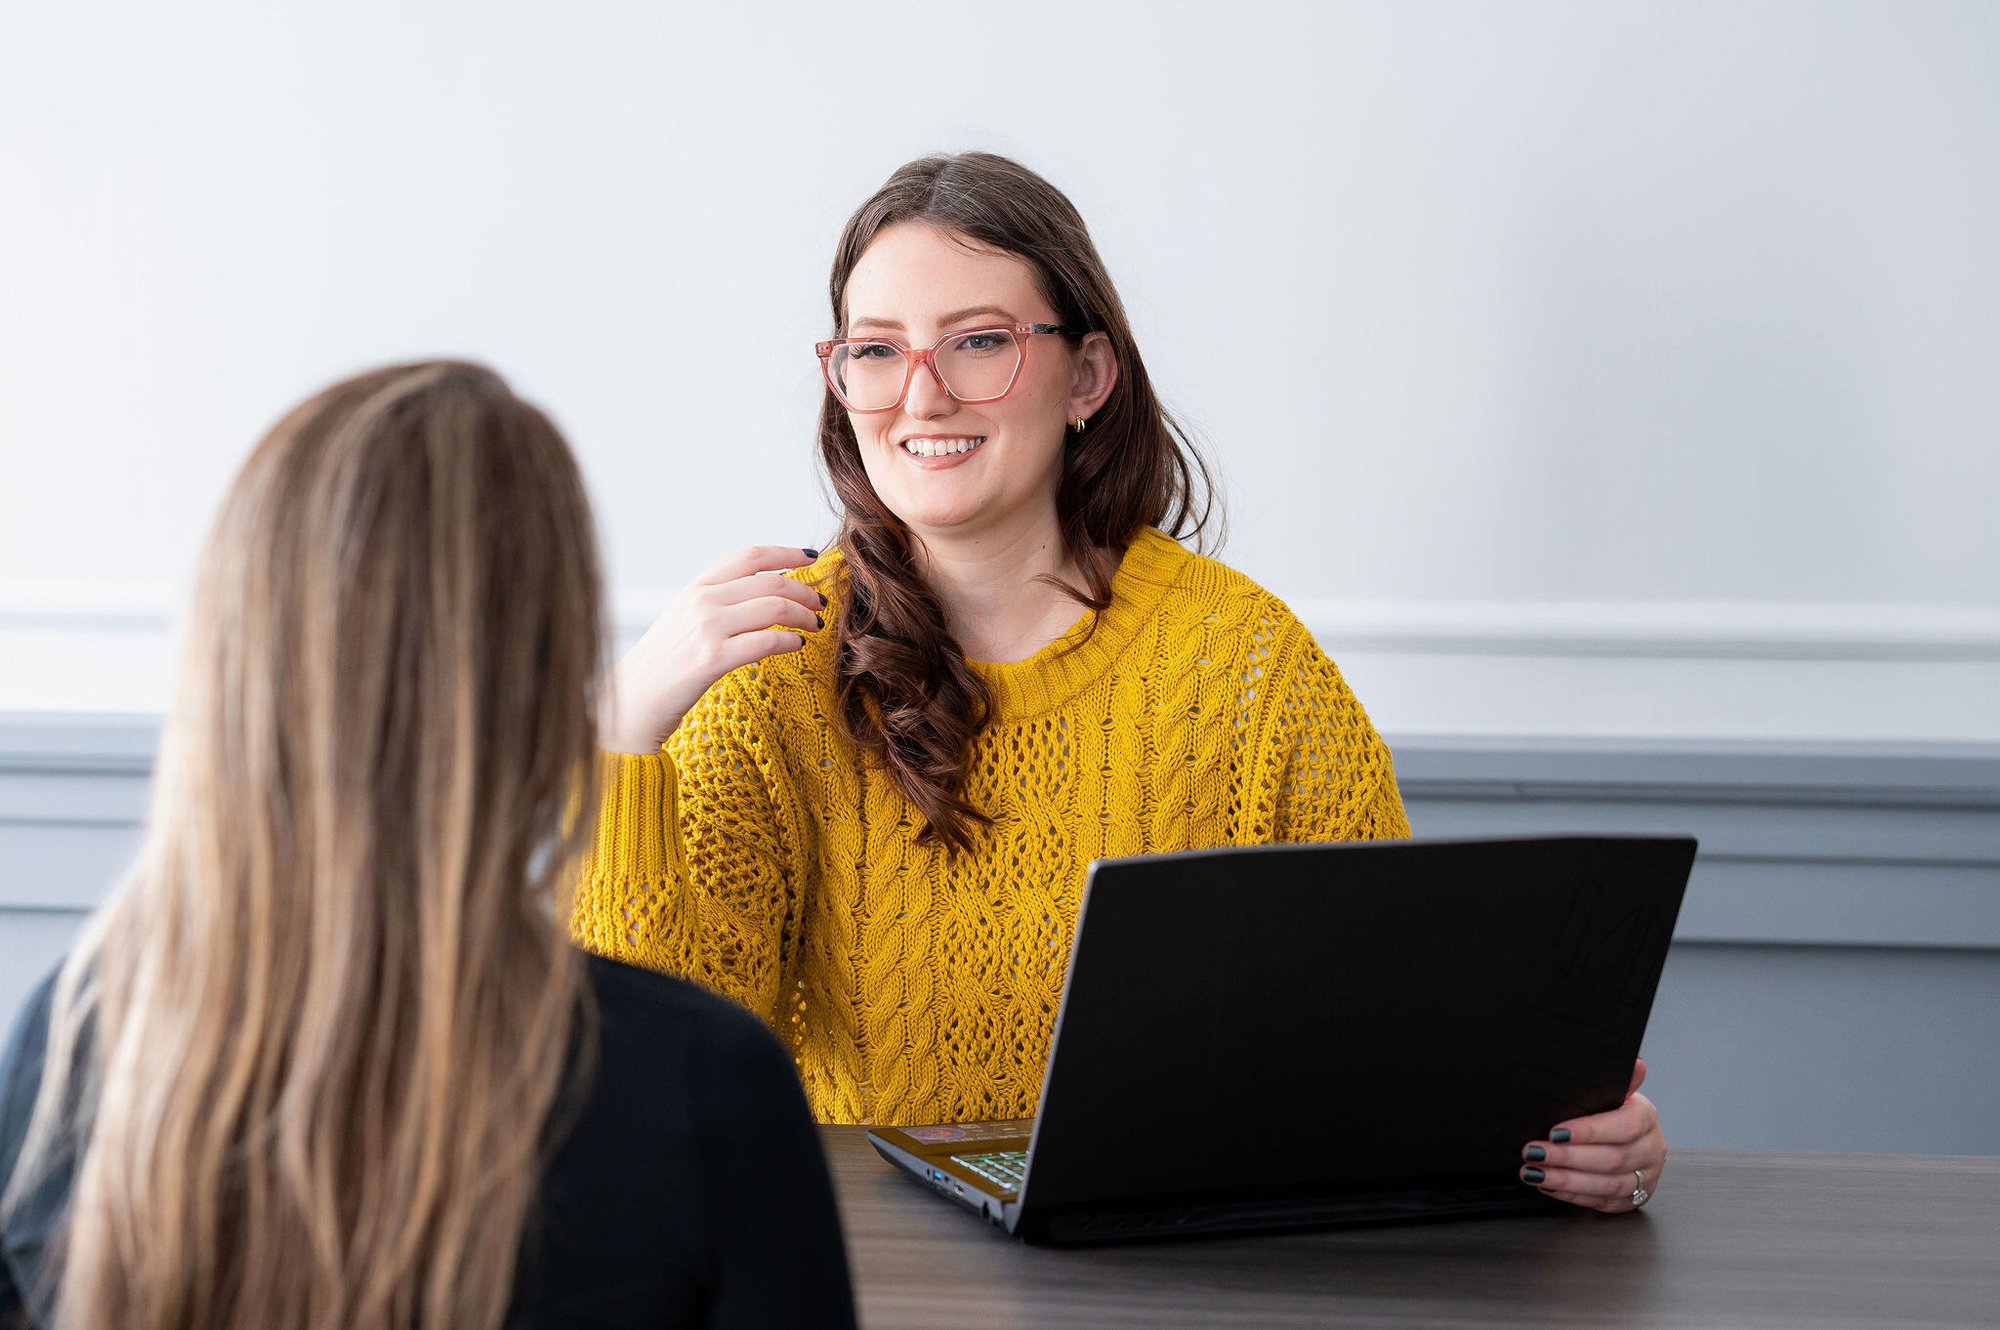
x: 907, y: 697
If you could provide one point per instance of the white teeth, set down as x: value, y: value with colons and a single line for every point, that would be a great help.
x: 941, y: 447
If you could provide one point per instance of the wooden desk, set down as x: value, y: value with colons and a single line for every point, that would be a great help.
x: 1735, y: 1239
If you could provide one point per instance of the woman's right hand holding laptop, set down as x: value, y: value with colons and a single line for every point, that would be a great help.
x: 1606, y: 1161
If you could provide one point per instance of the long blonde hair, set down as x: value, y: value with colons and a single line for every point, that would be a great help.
x: 320, y: 1028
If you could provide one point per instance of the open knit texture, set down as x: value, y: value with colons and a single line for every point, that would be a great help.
x: 762, y: 857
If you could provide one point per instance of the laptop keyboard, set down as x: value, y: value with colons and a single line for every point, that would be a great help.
x: 1003, y: 1168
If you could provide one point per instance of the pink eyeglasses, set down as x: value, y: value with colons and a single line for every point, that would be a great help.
x: 873, y: 374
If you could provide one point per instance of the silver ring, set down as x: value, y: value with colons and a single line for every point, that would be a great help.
x: 1639, y: 1193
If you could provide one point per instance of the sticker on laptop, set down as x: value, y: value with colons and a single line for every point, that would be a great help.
x: 934, y: 1135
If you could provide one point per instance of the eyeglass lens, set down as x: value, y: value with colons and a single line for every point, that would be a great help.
x: 975, y: 366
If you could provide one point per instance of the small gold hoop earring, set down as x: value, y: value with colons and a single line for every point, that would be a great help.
x: 1079, y: 424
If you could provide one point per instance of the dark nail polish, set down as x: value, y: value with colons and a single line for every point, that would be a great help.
x: 1532, y: 1175
x: 1560, y: 1135
x: 822, y: 599
x: 1537, y: 1153
x: 819, y: 621
x: 810, y: 554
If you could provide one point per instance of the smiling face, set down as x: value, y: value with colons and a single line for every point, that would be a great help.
x: 954, y: 471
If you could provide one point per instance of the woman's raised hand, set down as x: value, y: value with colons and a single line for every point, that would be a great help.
x: 738, y: 611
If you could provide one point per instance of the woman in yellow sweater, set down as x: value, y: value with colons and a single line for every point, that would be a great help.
x: 886, y: 767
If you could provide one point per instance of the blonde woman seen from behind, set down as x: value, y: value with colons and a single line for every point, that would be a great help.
x: 326, y: 1058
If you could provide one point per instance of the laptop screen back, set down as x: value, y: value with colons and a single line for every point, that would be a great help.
x: 1349, y: 1015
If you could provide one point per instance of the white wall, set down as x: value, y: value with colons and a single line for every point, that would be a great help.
x: 1573, y: 367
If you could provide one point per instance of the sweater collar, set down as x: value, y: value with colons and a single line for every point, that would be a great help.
x: 1062, y: 669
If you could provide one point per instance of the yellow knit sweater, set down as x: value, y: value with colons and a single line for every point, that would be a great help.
x: 760, y: 856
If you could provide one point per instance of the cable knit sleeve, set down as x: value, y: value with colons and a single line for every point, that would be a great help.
x: 1334, y: 776
x: 699, y: 858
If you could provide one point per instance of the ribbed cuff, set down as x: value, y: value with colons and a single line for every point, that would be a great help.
x: 637, y: 839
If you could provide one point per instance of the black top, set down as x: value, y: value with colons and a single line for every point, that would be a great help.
x: 690, y: 1192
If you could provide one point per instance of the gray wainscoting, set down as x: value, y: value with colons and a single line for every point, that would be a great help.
x: 72, y: 801
x: 1834, y: 982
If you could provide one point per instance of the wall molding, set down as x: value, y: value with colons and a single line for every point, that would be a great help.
x: 1803, y: 844
x: 77, y: 743
x: 92, y: 606
x: 1963, y: 775
x: 1718, y: 630
x: 1679, y: 630
x: 1864, y: 673
x: 1675, y: 770
x: 1662, y: 630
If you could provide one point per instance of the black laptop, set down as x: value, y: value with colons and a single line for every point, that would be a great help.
x: 1293, y: 1035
